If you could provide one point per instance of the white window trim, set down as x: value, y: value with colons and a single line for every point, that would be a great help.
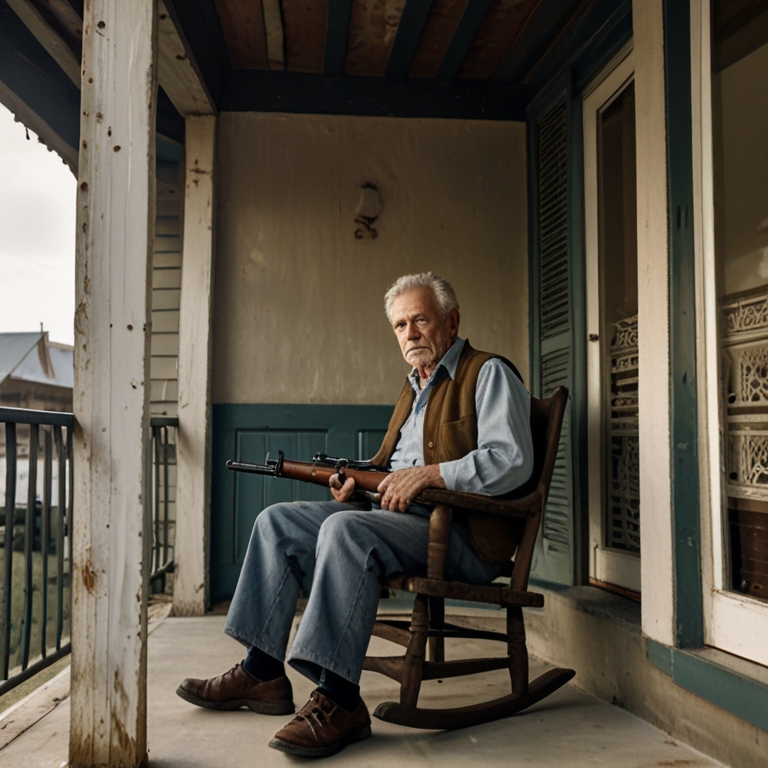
x: 606, y: 564
x: 734, y: 623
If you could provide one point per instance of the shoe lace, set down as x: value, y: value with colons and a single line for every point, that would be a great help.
x: 314, y: 713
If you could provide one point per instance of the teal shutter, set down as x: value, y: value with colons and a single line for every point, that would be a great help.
x: 551, y: 322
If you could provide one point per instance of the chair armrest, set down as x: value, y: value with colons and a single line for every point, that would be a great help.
x: 522, y: 507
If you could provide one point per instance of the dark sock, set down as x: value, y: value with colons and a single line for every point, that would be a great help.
x: 262, y: 666
x: 339, y: 690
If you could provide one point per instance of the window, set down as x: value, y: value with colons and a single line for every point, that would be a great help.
x: 733, y: 178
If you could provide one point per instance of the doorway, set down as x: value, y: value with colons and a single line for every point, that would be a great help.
x: 613, y: 364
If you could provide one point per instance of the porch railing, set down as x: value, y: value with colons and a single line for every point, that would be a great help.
x: 35, y: 540
x: 164, y: 497
x: 37, y: 545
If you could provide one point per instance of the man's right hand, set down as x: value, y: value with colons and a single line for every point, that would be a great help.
x: 341, y: 492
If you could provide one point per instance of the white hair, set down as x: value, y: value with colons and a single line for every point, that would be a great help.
x: 442, y: 291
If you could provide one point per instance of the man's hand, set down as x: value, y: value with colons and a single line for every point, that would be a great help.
x: 341, y: 492
x: 400, y: 488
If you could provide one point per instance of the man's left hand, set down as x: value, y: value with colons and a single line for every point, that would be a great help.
x: 400, y: 488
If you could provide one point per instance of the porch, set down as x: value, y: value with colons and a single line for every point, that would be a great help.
x: 571, y: 728
x: 247, y: 169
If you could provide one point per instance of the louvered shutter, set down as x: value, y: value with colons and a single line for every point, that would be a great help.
x: 554, y: 555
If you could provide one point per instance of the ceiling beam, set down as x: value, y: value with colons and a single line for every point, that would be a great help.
x: 53, y: 43
x: 251, y: 90
x: 471, y: 20
x: 36, y: 90
x: 177, y: 70
x: 47, y: 134
x: 199, y: 26
x: 541, y: 27
x: 273, y: 26
x: 412, y: 22
x: 590, y: 29
x: 337, y: 28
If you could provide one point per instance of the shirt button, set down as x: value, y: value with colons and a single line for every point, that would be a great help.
x: 430, y: 444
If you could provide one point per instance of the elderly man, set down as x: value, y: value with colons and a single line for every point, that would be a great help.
x: 462, y: 423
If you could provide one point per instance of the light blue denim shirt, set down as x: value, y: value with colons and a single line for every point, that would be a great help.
x: 503, y: 459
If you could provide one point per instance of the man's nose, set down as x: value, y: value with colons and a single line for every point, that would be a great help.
x: 413, y: 331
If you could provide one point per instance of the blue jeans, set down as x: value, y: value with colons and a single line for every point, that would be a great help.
x: 350, y: 552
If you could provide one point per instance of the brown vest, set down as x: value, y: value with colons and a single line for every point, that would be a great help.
x: 450, y: 432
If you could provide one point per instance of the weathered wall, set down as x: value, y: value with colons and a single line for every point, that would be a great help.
x: 598, y: 635
x: 298, y: 307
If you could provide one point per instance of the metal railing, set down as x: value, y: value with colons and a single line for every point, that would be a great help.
x: 37, y: 545
x: 36, y: 548
x: 163, y: 487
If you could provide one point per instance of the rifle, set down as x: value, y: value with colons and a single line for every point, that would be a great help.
x: 367, y: 477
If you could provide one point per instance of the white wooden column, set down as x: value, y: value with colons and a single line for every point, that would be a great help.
x: 656, y: 559
x: 115, y: 220
x: 193, y: 489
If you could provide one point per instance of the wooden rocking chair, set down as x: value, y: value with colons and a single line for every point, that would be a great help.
x: 427, y: 625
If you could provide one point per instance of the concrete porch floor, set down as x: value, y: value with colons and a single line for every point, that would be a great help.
x: 569, y: 729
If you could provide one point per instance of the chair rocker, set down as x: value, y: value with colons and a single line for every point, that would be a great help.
x: 428, y: 627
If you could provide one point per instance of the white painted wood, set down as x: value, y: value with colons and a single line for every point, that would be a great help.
x: 26, y: 115
x: 653, y: 321
x: 177, y: 70
x: 60, y: 52
x: 273, y: 24
x: 740, y: 626
x: 609, y: 565
x: 732, y: 622
x: 612, y: 566
x: 195, y: 332
x: 707, y: 357
x: 115, y: 219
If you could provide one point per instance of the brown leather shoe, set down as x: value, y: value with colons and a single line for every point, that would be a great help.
x: 322, y: 728
x: 236, y: 688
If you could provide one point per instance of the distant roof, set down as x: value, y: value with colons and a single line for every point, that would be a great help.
x: 31, y: 357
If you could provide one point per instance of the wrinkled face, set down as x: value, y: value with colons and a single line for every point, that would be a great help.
x: 424, y: 336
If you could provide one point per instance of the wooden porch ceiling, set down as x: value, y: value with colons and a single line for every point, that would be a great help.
x: 410, y: 57
x: 477, y: 59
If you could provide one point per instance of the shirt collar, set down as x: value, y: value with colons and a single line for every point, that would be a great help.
x: 449, y: 362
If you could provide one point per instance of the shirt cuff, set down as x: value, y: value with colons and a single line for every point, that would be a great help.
x: 449, y: 470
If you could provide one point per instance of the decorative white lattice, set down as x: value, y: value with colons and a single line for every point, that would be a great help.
x: 622, y: 363
x: 625, y: 334
x: 748, y: 314
x: 624, y: 510
x: 749, y: 458
x: 623, y: 516
x: 753, y: 375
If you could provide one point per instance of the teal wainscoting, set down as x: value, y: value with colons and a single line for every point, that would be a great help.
x: 743, y: 696
x: 247, y: 433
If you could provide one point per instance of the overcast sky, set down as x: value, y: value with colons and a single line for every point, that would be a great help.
x: 37, y: 235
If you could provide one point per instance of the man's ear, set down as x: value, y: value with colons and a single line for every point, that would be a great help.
x: 454, y: 317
